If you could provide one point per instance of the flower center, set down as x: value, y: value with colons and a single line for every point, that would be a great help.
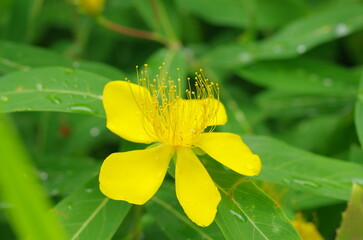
x: 170, y: 118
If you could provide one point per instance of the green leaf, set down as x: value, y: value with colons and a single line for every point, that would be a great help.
x: 317, y: 131
x: 21, y: 190
x: 358, y: 115
x: 52, y: 89
x: 15, y: 57
x: 246, y: 212
x: 303, y: 201
x: 295, y: 39
x: 304, y: 171
x: 263, y: 13
x: 301, y: 75
x: 61, y: 176
x: 283, y: 104
x: 351, y: 226
x: 76, y: 133
x: 172, y: 59
x: 88, y: 214
x: 20, y: 25
x: 170, y: 216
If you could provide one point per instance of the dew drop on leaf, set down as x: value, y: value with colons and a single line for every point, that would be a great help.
x: 94, y: 132
x: 328, y: 82
x: 245, y: 57
x: 43, y: 175
x: 305, y: 183
x: 76, y: 64
x: 54, y: 192
x: 39, y: 86
x: 341, y: 30
x: 54, y: 99
x: 238, y: 216
x: 286, y: 181
x: 4, y: 98
x: 81, y: 108
x: 301, y: 49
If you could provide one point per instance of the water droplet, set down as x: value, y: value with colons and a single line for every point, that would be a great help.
x: 245, y: 57
x: 328, y: 82
x: 4, y: 98
x: 276, y: 228
x: 341, y: 30
x: 69, y: 207
x: 286, y: 181
x: 158, y: 174
x: 54, y: 192
x: 305, y: 183
x: 81, y: 108
x: 89, y: 190
x: 94, y: 131
x: 301, y: 49
x: 76, y: 64
x: 54, y: 99
x: 277, y: 48
x: 238, y: 216
x: 249, y: 166
x: 43, y: 175
x: 39, y: 86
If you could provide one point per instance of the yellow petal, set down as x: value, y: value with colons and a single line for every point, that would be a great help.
x: 231, y: 151
x: 306, y: 230
x: 134, y: 176
x: 198, y: 109
x: 195, y: 190
x: 124, y: 118
x: 221, y: 116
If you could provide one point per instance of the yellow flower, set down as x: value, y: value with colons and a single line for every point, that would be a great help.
x: 307, y: 230
x: 92, y: 7
x: 153, y: 111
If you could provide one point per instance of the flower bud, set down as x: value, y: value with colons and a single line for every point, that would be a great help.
x: 91, y: 7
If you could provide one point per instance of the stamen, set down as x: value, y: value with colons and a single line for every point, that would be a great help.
x: 168, y: 117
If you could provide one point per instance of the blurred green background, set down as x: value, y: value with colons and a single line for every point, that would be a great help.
x: 290, y: 71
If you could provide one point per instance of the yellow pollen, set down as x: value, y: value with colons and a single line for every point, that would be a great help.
x: 170, y: 118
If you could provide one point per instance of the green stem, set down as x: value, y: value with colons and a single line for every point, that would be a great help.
x: 161, y: 17
x: 34, y: 11
x: 130, y: 31
x: 250, y: 34
x: 135, y: 230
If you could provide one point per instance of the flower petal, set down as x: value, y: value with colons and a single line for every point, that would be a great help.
x: 197, y: 109
x: 124, y: 118
x: 134, y: 176
x: 221, y: 115
x: 231, y: 151
x: 195, y: 189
